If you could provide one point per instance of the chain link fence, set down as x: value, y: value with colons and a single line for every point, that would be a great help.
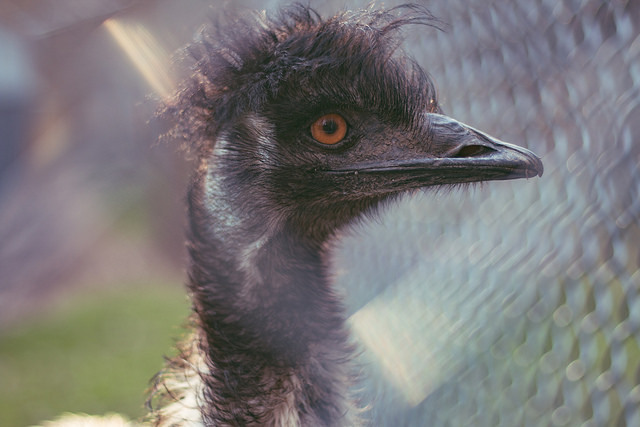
x: 516, y: 303
x: 510, y: 303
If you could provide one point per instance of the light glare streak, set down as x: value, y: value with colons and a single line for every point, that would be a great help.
x: 145, y: 53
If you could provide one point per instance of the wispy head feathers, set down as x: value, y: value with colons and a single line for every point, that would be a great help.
x: 297, y: 61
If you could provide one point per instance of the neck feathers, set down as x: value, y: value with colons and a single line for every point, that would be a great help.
x: 271, y: 346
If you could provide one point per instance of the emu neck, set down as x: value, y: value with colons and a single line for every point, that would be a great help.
x: 273, y: 331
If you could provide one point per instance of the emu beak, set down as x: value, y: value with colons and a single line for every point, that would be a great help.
x: 450, y: 152
x: 466, y: 149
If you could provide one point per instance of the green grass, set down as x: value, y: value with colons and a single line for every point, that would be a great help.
x: 94, y: 354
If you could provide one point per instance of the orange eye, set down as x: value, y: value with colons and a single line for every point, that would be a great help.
x: 329, y: 129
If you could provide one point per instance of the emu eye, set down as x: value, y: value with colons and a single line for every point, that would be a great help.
x: 329, y: 129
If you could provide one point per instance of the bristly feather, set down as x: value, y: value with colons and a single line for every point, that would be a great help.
x: 291, y: 58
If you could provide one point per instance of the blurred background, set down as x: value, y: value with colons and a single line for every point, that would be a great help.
x: 515, y: 303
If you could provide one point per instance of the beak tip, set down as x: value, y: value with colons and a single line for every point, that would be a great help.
x: 538, y: 167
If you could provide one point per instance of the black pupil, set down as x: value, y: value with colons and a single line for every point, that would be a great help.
x: 329, y: 126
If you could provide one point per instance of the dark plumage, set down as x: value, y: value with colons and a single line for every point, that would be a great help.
x: 267, y: 196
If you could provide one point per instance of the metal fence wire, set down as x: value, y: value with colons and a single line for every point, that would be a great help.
x: 517, y: 303
x: 513, y: 303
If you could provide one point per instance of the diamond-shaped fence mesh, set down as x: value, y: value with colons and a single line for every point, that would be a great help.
x: 511, y: 303
x: 517, y: 304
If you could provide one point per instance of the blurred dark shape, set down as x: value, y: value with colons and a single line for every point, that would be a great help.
x: 89, y: 197
x: 17, y: 90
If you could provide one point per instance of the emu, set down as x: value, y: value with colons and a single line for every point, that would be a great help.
x: 300, y: 125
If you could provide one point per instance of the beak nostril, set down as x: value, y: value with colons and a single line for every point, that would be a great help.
x: 473, y: 151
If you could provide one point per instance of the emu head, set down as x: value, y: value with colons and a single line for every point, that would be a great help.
x: 308, y: 123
